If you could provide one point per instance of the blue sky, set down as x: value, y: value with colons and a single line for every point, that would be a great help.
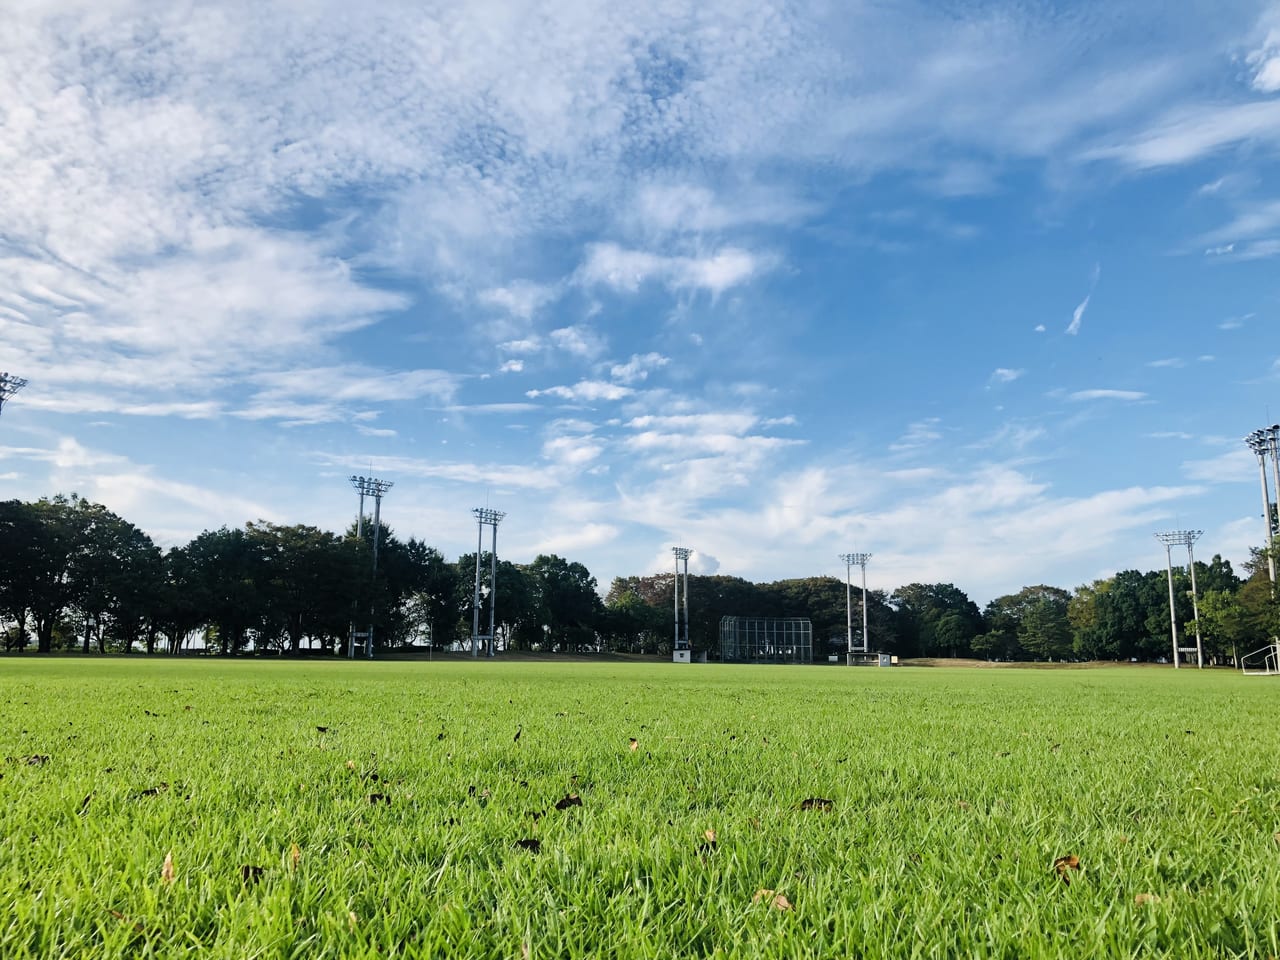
x: 988, y: 290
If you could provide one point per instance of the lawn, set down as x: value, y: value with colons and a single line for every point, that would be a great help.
x: 274, y: 809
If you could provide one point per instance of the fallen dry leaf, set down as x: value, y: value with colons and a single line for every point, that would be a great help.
x: 1143, y: 899
x: 352, y: 919
x: 1064, y: 865
x: 775, y: 900
x: 295, y: 855
x: 634, y: 744
x: 166, y: 871
x: 572, y: 800
x: 816, y: 803
x: 123, y: 919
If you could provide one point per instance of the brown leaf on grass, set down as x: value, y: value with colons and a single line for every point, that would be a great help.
x: 295, y: 855
x: 572, y: 800
x: 708, y: 844
x: 137, y: 927
x: 532, y: 844
x: 775, y: 900
x: 154, y: 791
x: 1064, y: 865
x: 1055, y: 748
x: 251, y: 873
x: 352, y: 920
x: 634, y: 744
x: 166, y: 871
x: 1143, y: 899
x: 351, y: 764
x: 816, y: 803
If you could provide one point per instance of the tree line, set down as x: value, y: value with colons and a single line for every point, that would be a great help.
x: 76, y: 576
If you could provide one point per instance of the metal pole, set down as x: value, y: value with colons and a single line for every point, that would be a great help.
x: 1195, y: 605
x: 686, y: 601
x: 475, y: 605
x: 676, y: 641
x: 1273, y: 438
x: 1266, y: 514
x: 373, y: 597
x: 1173, y: 617
x: 493, y: 586
x: 865, y: 636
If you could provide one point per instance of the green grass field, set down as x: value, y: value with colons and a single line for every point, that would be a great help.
x: 387, y: 809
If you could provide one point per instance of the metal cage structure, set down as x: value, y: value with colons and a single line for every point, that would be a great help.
x: 763, y: 640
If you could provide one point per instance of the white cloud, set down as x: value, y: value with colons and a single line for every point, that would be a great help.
x: 511, y: 366
x: 1081, y: 395
x: 638, y: 367
x: 1005, y: 375
x: 579, y: 341
x: 572, y: 451
x: 1235, y: 466
x: 1168, y: 363
x: 1265, y: 60
x: 1077, y: 315
x: 525, y: 346
x: 584, y: 391
x: 521, y: 299
x: 627, y: 270
x: 919, y: 434
x: 1190, y: 133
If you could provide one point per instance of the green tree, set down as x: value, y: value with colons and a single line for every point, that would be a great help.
x: 922, y: 608
x: 567, y: 601
x: 224, y: 569
x: 306, y: 583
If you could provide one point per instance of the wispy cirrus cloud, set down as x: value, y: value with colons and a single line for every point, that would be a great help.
x: 1005, y: 375
x: 626, y: 270
x: 1080, y: 396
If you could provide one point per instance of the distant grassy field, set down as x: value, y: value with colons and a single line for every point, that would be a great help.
x: 172, y: 808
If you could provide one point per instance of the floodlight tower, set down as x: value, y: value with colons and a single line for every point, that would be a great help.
x: 680, y: 651
x: 850, y: 561
x: 9, y: 385
x: 1187, y: 537
x: 1262, y: 442
x: 369, y: 487
x: 485, y: 518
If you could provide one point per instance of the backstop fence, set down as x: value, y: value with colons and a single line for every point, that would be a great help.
x: 762, y: 640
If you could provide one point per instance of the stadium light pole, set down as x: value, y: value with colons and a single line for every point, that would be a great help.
x: 370, y: 487
x: 1260, y: 443
x: 9, y: 385
x: 485, y: 517
x: 1273, y: 447
x: 1187, y: 537
x: 682, y: 554
x: 851, y: 560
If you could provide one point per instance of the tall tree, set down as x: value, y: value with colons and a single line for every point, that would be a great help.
x: 567, y: 600
x: 922, y: 608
